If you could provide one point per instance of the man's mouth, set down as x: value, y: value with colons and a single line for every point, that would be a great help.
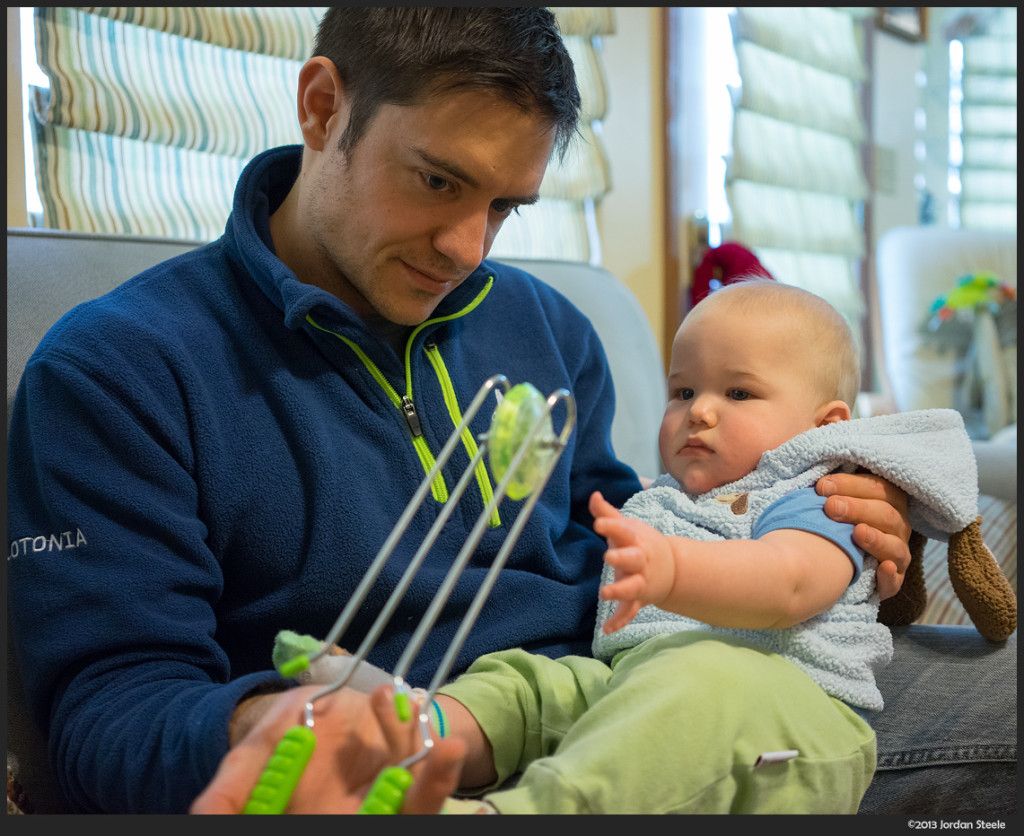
x: 428, y: 279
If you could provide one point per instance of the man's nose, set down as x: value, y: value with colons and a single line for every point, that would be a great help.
x: 465, y: 239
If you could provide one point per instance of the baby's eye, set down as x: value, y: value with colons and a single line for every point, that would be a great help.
x: 738, y: 394
x: 685, y: 393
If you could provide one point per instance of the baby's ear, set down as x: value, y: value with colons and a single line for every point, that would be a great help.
x: 833, y: 412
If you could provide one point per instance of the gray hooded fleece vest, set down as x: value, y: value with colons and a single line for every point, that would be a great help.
x: 927, y: 453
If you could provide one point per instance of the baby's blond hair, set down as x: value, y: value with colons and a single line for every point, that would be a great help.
x: 831, y: 354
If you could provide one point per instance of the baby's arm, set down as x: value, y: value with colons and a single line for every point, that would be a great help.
x: 781, y: 579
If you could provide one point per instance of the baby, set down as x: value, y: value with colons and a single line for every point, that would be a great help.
x: 751, y: 369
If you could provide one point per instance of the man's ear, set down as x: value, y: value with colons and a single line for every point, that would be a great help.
x: 833, y: 412
x: 321, y: 99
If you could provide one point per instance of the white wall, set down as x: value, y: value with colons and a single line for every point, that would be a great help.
x: 896, y: 97
x: 630, y: 218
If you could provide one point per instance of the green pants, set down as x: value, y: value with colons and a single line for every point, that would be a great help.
x: 675, y: 725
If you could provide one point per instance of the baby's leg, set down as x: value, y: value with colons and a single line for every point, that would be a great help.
x: 678, y: 728
x: 513, y: 707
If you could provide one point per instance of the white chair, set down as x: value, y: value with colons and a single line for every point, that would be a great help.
x: 916, y: 265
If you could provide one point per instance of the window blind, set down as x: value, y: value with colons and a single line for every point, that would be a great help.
x: 562, y: 225
x: 794, y: 177
x: 988, y: 172
x: 152, y: 112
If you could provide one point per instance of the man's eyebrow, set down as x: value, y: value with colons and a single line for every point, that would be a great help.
x: 458, y: 173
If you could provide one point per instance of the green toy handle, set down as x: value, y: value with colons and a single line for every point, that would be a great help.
x: 388, y: 792
x: 272, y: 793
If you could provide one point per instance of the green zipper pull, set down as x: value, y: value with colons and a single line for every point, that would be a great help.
x: 411, y: 418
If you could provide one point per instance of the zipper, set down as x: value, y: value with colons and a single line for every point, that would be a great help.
x: 406, y: 405
x: 483, y: 480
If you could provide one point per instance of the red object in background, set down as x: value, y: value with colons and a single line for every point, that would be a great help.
x: 723, y: 265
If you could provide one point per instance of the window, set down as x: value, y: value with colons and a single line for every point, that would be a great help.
x: 723, y: 75
x: 983, y: 124
x: 31, y: 76
x: 779, y: 90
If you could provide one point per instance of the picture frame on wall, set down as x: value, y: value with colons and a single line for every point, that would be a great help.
x: 909, y: 22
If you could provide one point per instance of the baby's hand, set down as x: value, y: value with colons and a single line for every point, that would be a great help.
x: 641, y: 557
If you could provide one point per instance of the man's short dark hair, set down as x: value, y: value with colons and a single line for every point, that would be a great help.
x: 400, y: 55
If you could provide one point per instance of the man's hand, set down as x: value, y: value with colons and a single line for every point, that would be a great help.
x: 878, y: 511
x: 356, y: 737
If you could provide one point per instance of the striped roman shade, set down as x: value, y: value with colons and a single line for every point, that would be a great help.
x: 988, y: 172
x: 562, y: 224
x: 794, y: 180
x: 152, y: 112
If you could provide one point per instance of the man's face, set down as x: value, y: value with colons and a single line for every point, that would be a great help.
x: 413, y: 210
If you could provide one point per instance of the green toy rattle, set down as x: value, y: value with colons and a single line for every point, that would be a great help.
x: 522, y: 451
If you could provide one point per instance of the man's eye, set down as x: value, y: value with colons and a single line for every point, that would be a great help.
x: 738, y: 394
x: 504, y: 207
x: 435, y: 182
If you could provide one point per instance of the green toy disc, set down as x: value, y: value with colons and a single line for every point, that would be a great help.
x: 512, y: 421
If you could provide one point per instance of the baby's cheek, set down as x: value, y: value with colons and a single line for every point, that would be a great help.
x: 668, y: 435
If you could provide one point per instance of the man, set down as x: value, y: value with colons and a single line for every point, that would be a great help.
x: 233, y: 433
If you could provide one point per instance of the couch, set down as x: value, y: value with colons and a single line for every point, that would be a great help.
x: 49, y: 272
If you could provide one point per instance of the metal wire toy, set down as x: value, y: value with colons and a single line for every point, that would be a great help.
x: 523, y: 451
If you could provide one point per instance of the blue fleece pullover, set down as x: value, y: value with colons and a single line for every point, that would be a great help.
x: 200, y: 459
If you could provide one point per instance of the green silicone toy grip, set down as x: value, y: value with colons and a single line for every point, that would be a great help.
x: 387, y: 793
x: 277, y: 783
x: 521, y: 408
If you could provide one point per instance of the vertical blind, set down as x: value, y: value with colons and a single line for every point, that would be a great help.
x: 152, y: 112
x: 988, y: 172
x: 794, y: 178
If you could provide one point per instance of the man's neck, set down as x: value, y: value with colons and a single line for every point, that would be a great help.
x: 282, y: 222
x: 389, y: 332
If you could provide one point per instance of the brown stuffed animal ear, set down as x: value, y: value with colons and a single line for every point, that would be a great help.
x: 980, y: 584
x: 907, y: 605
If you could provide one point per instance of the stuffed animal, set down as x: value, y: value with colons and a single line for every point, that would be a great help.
x: 724, y: 265
x: 976, y: 578
x: 330, y: 667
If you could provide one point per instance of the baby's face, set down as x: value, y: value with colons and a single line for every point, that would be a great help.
x: 739, y: 385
